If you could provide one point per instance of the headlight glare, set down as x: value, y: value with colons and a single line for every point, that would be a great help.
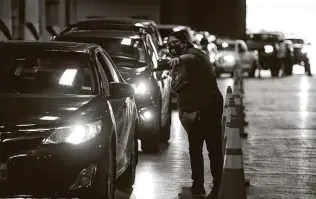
x: 140, y: 88
x: 268, y: 49
x: 75, y: 134
x: 304, y: 50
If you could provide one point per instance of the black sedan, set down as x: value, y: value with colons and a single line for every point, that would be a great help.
x: 135, y: 56
x: 67, y: 128
x: 119, y: 23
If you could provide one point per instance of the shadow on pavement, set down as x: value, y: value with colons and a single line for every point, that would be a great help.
x: 186, y: 194
x: 123, y: 194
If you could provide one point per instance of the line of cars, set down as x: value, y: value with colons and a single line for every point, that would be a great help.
x: 74, y: 108
x: 263, y: 51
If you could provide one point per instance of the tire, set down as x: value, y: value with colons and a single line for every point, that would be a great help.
x: 165, y: 131
x: 151, y: 143
x: 253, y: 69
x: 275, y: 70
x: 288, y: 68
x: 127, y: 179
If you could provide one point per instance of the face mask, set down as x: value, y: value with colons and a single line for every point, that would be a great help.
x: 175, y: 50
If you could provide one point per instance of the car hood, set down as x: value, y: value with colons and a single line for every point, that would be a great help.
x: 133, y: 75
x: 222, y: 53
x: 23, y: 110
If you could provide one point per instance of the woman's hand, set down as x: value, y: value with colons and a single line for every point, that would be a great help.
x: 174, y: 61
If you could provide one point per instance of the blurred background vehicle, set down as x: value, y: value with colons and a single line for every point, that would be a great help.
x: 301, y: 50
x: 120, y: 23
x: 234, y: 53
x: 135, y: 55
x: 274, y: 53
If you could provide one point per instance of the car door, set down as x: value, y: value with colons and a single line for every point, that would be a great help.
x: 164, y: 81
x: 119, y: 107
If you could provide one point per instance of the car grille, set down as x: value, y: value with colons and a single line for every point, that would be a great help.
x: 297, y: 51
x: 18, y: 142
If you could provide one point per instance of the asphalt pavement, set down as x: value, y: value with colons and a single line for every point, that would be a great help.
x: 279, y: 154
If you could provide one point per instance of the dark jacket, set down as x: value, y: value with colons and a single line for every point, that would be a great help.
x: 198, y: 82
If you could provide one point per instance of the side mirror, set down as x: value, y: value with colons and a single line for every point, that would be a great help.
x: 121, y: 90
x: 52, y: 38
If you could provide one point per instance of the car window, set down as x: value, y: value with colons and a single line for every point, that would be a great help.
x: 49, y: 72
x: 107, y: 67
x: 244, y: 45
x: 104, y: 80
x: 241, y: 47
x: 111, y: 68
x: 225, y: 46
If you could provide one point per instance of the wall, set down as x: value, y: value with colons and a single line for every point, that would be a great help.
x: 220, y: 17
x: 118, y: 9
x: 5, y: 20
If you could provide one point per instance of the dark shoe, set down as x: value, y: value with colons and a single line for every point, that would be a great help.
x: 197, y: 190
x: 215, y: 191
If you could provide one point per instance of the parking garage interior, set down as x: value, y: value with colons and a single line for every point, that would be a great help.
x: 277, y: 128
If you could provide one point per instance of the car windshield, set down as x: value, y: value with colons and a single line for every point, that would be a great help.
x: 165, y: 32
x: 125, y: 52
x: 297, y: 41
x: 263, y: 37
x: 46, y: 73
x: 225, y: 46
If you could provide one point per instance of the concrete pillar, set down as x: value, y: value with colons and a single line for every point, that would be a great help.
x: 5, y: 20
x: 53, y: 12
x: 175, y: 11
x: 32, y: 20
x: 18, y: 19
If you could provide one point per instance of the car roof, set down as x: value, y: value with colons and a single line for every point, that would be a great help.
x: 171, y: 26
x: 103, y: 34
x: 118, y: 21
x: 47, y: 46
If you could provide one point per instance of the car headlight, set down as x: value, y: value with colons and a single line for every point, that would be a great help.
x: 229, y: 58
x: 268, y: 49
x: 75, y: 134
x: 304, y: 50
x: 141, y: 88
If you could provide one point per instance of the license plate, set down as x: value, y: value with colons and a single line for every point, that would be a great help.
x: 3, y: 172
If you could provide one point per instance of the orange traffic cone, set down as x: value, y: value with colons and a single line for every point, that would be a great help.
x: 240, y: 114
x: 230, y: 112
x: 233, y: 178
x: 229, y: 94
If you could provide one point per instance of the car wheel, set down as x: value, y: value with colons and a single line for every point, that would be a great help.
x: 288, y: 68
x: 253, y: 69
x: 165, y: 131
x: 275, y: 70
x: 127, y: 179
x: 151, y: 143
